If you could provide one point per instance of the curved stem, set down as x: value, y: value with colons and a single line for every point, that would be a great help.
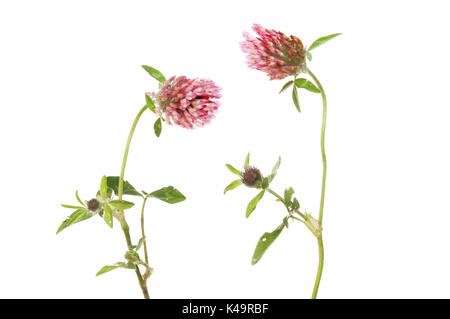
x: 324, y: 177
x: 322, y: 145
x: 320, y: 268
x: 124, y: 224
x: 143, y: 232
x: 127, y: 148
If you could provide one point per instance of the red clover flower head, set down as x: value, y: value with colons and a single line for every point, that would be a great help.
x: 187, y: 102
x: 273, y: 53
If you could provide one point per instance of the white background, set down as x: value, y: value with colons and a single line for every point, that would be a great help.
x: 71, y: 84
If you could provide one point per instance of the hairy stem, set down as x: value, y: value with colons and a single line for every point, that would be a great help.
x: 324, y: 177
x: 123, y: 222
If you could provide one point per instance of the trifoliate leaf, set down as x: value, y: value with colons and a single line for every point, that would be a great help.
x: 288, y: 195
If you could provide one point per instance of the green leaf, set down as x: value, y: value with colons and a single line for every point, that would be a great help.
x: 295, y: 98
x: 108, y: 268
x: 103, y: 187
x: 252, y: 205
x: 288, y: 195
x: 265, y: 183
x: 308, y: 55
x: 286, y: 85
x: 233, y: 170
x: 169, y: 195
x: 107, y: 216
x: 121, y: 204
x: 233, y: 185
x: 264, y: 243
x: 76, y: 217
x: 275, y: 170
x: 305, y: 84
x: 247, y: 160
x: 154, y: 73
x: 150, y: 103
x: 141, y: 241
x: 78, y: 199
x: 157, y: 127
x: 72, y: 207
x: 128, y: 189
x: 295, y: 204
x: 285, y: 221
x: 322, y: 40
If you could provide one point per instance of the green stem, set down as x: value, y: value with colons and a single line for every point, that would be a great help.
x: 275, y: 194
x: 143, y: 232
x: 124, y: 224
x: 282, y: 200
x: 324, y: 177
x: 127, y: 148
x: 320, y: 268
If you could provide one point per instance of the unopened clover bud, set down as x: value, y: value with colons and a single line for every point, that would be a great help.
x: 313, y: 225
x: 93, y: 204
x: 251, y: 177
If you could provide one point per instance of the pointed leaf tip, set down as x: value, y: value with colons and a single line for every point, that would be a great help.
x: 265, y: 242
x: 103, y: 187
x: 286, y: 85
x: 275, y: 169
x: 322, y: 40
x: 247, y: 160
x: 154, y: 73
x: 252, y: 204
x: 233, y: 170
x: 168, y: 194
x: 76, y: 217
x: 295, y: 98
x: 157, y: 127
x: 150, y: 103
x: 232, y: 185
